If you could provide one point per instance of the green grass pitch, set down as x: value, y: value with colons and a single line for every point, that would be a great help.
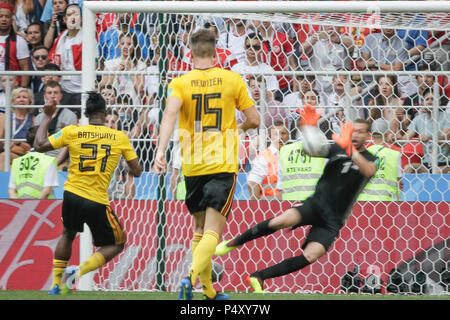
x: 133, y: 295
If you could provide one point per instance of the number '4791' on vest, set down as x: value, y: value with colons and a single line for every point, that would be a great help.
x: 299, y: 172
x: 29, y: 173
x: 384, y: 185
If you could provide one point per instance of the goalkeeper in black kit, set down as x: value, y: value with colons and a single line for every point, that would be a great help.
x: 348, y: 169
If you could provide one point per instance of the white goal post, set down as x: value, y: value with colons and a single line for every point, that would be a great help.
x: 90, y: 51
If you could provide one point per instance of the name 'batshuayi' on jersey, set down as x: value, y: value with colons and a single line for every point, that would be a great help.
x: 207, y: 128
x: 95, y: 151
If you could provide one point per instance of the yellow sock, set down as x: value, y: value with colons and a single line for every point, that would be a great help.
x: 206, y: 280
x: 206, y: 275
x: 195, y: 240
x: 93, y: 263
x: 58, y: 271
x: 203, y: 254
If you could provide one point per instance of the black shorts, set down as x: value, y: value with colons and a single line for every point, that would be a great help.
x: 213, y: 190
x: 103, y: 223
x: 325, y: 223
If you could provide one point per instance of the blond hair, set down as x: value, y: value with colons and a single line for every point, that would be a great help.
x: 203, y: 43
x: 15, y: 93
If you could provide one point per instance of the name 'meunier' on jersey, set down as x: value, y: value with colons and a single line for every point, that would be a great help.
x: 95, y: 151
x: 207, y: 129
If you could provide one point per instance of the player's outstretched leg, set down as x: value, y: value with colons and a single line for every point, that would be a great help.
x: 259, y: 230
x: 255, y: 282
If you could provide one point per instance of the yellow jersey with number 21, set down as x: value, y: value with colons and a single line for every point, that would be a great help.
x: 95, y: 151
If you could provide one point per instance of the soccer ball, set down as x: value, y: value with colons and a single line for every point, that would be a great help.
x: 217, y: 272
x: 314, y: 142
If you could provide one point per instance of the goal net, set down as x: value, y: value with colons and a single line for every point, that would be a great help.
x: 388, y: 64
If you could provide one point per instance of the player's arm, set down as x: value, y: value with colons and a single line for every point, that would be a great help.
x: 254, y: 189
x: 41, y: 142
x: 252, y: 120
x: 366, y: 167
x: 166, y: 129
x: 135, y: 167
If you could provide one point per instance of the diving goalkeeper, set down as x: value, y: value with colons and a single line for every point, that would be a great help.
x: 349, y: 168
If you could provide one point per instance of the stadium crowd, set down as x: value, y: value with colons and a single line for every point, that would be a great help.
x: 47, y: 36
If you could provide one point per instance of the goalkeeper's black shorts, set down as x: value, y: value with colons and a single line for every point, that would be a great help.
x: 212, y: 190
x: 325, y: 224
x: 103, y: 223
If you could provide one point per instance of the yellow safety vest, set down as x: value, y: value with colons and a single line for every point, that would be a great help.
x: 29, y: 173
x: 300, y: 172
x: 384, y: 185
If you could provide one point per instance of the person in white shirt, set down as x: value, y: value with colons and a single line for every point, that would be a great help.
x: 253, y: 65
x: 262, y: 178
x: 234, y: 39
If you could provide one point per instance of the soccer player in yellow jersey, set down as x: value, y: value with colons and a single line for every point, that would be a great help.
x: 206, y: 100
x: 95, y: 151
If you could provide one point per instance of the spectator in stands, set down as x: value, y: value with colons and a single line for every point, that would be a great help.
x: 223, y: 58
x: 23, y: 15
x: 122, y: 184
x: 112, y: 120
x: 294, y: 100
x: 129, y: 60
x: 128, y: 115
x: 277, y: 51
x: 234, y: 39
x: 328, y: 51
x: 386, y: 94
x: 398, y: 126
x: 109, y: 93
x: 253, y: 64
x: 263, y: 100
x: 16, y: 55
x: 147, y: 128
x: 13, y: 82
x: 415, y: 42
x: 61, y: 118
x: 39, y: 58
x: 108, y: 43
x: 263, y: 177
x: 33, y: 181
x: 438, y: 51
x: 67, y: 98
x: 424, y: 81
x: 69, y: 40
x: 21, y: 121
x: 34, y: 35
x: 422, y: 126
x: 57, y: 24
x: 334, y: 104
x: 382, y: 51
x: 386, y: 184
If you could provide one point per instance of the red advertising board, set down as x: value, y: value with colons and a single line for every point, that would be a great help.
x: 377, y: 235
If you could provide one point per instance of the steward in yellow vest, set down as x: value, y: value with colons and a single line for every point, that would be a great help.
x: 28, y: 174
x: 299, y: 172
x: 384, y: 185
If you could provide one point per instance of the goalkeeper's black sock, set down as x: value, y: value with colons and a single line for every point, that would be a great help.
x: 284, y: 267
x: 259, y: 230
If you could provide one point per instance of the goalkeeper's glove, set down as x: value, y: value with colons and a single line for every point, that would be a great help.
x: 309, y: 116
x: 345, y: 139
